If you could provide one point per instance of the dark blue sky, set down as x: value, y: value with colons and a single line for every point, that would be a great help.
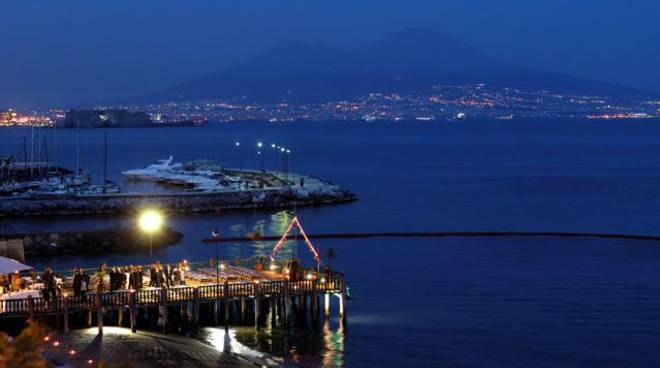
x: 66, y: 51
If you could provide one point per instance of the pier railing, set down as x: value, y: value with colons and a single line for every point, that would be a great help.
x: 32, y: 306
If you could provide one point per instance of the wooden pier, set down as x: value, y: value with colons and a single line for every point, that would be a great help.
x: 208, y: 294
x: 282, y: 299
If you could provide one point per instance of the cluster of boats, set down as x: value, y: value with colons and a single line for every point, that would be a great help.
x: 57, y: 184
x: 196, y: 175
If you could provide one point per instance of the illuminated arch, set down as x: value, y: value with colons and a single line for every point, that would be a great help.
x: 280, y: 243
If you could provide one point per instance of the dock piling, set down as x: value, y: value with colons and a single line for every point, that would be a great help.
x: 287, y: 302
x: 225, y: 294
x: 163, y: 301
x: 257, y: 305
x: 99, y: 312
x: 65, y: 301
x: 195, y: 306
x: 131, y: 301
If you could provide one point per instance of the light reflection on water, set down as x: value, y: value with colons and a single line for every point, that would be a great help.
x: 309, y: 347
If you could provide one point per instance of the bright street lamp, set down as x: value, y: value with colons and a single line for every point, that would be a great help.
x: 150, y: 222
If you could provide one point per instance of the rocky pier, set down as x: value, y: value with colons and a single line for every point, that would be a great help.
x: 182, y: 202
x: 120, y: 239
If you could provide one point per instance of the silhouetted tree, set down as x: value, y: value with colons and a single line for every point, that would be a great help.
x: 24, y: 350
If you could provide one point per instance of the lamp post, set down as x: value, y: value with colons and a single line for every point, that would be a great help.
x: 288, y: 152
x: 282, y: 156
x: 150, y: 221
x: 215, y: 235
x: 240, y: 154
x: 261, y: 153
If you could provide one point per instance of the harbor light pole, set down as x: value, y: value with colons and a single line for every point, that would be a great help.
x: 288, y: 152
x: 282, y: 157
x: 240, y: 154
x: 215, y: 238
x: 261, y: 154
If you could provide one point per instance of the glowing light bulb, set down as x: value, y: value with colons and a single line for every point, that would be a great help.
x: 150, y: 221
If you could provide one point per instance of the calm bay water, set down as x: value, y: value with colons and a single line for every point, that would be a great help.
x: 463, y: 302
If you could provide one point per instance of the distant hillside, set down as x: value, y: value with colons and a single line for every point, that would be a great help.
x: 412, y: 58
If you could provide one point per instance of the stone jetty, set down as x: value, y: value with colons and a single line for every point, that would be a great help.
x: 120, y: 239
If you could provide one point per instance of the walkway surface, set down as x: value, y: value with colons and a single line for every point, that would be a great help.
x: 118, y: 347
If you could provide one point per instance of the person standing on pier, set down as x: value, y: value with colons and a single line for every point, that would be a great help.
x: 16, y: 281
x: 167, y: 272
x: 113, y: 279
x: 84, y: 276
x: 152, y: 275
x: 77, y: 283
x: 49, y: 285
x: 123, y: 277
x: 132, y: 272
x: 140, y: 278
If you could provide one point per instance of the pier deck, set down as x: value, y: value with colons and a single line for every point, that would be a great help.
x: 261, y: 294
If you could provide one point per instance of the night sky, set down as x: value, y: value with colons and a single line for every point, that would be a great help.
x: 68, y: 52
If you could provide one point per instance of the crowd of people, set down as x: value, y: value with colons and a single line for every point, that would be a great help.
x: 134, y: 277
x: 167, y: 276
x: 48, y: 283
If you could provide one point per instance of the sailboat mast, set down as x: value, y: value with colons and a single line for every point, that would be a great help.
x: 57, y: 162
x: 32, y: 151
x: 25, y: 158
x: 47, y: 159
x: 105, y: 159
x: 77, y: 144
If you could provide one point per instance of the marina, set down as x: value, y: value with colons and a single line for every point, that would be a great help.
x: 202, y: 186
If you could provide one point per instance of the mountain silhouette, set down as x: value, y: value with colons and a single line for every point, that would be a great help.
x: 410, y: 59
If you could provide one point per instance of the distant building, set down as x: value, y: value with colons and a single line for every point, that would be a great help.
x: 110, y: 118
x: 7, y: 117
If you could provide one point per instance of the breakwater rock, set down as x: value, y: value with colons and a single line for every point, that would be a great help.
x: 183, y: 202
x: 115, y: 240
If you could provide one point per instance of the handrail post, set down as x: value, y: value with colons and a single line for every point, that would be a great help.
x: 99, y: 312
x: 30, y: 308
x: 131, y: 302
x: 315, y: 300
x: 163, y: 302
x: 195, y: 306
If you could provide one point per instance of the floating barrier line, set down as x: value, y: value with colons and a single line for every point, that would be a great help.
x: 445, y: 234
